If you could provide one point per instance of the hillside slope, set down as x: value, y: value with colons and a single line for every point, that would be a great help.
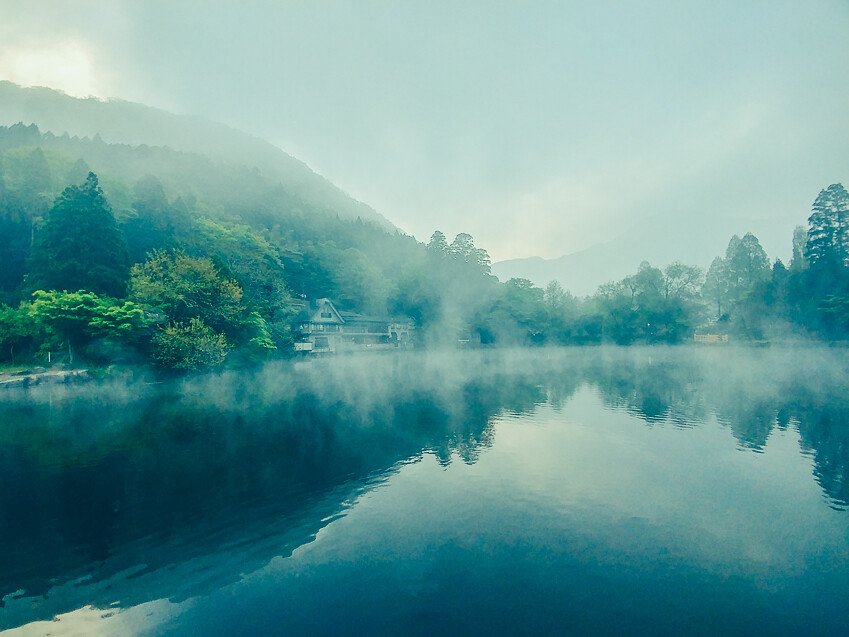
x: 117, y: 121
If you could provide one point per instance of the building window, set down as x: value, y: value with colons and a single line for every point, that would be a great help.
x: 326, y: 315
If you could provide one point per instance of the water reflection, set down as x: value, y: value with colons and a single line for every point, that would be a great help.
x: 750, y: 391
x: 116, y: 480
x: 131, y: 492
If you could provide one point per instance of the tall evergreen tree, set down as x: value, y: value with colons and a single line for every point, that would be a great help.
x: 438, y: 243
x: 828, y: 229
x: 800, y: 238
x: 747, y: 263
x: 80, y: 246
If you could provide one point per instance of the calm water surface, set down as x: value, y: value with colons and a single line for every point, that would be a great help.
x: 540, y: 492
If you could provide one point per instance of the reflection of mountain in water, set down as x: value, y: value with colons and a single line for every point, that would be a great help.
x: 161, y: 489
x: 125, y: 494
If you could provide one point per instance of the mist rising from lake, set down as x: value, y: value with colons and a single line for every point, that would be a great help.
x: 543, y: 491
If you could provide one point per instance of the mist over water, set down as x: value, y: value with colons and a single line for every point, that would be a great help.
x: 526, y: 491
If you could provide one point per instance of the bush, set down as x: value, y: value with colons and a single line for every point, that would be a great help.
x: 189, y: 346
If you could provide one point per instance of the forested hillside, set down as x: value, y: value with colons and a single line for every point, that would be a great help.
x: 145, y: 254
x: 121, y: 122
x: 150, y: 223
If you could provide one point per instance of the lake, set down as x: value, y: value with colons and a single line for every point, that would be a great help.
x: 594, y: 490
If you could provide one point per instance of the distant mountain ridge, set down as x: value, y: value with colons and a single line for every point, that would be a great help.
x: 659, y: 240
x: 118, y: 121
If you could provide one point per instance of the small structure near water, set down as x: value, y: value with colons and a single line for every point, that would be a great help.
x: 322, y: 329
x: 710, y: 338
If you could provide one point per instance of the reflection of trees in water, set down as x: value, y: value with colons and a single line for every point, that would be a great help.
x: 653, y: 390
x: 749, y: 391
x: 825, y: 433
x: 173, y: 474
x: 108, y: 478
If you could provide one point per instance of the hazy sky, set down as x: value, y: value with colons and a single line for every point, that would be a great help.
x: 539, y: 128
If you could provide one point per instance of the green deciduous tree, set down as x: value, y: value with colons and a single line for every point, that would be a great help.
x: 185, y: 287
x: 74, y: 318
x: 189, y: 346
x: 251, y: 261
x: 18, y: 331
x: 681, y: 281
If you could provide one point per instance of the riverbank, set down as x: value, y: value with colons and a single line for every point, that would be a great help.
x: 41, y: 376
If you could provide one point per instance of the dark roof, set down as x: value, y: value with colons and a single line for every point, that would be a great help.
x: 307, y: 311
x: 353, y: 317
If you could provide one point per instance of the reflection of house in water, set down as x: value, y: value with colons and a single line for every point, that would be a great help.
x: 321, y: 328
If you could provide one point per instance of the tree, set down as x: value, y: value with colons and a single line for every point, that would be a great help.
x: 189, y: 346
x: 74, y: 318
x: 681, y: 281
x: 438, y: 244
x: 17, y: 330
x: 463, y: 250
x: 562, y: 311
x: 463, y: 247
x: 732, y: 279
x: 185, y: 287
x: 646, y: 286
x: 800, y: 238
x: 556, y: 299
x: 747, y: 265
x: 248, y: 258
x: 716, y: 286
x: 517, y: 314
x: 80, y: 246
x: 36, y: 180
x: 152, y: 226
x: 827, y: 243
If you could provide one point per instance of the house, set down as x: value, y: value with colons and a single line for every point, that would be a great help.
x: 320, y: 328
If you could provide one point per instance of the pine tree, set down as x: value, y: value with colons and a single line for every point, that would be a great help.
x: 80, y: 246
x: 438, y: 243
x: 828, y: 229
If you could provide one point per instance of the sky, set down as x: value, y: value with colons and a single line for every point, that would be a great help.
x: 541, y: 128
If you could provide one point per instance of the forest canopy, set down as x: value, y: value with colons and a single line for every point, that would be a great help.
x: 143, y: 254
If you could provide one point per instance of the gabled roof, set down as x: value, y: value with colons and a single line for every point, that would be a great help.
x: 313, y: 315
x: 325, y: 306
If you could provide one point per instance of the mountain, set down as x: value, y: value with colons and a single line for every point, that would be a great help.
x: 660, y: 240
x: 120, y: 122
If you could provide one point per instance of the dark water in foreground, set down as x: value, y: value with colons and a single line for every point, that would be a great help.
x: 596, y: 490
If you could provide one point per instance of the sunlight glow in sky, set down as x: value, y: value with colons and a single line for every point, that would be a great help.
x: 65, y: 65
x: 540, y: 128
